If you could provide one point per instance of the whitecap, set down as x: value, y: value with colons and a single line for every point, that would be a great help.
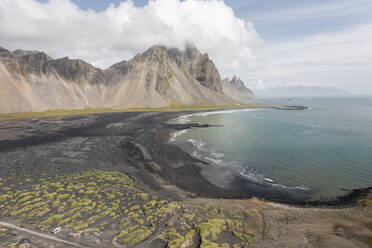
x: 186, y: 118
x: 215, y: 161
x: 198, y: 144
x: 230, y: 111
x: 217, y: 154
x: 196, y: 154
x: 302, y: 188
x: 177, y: 134
x: 254, y: 176
x: 251, y: 176
x: 268, y: 180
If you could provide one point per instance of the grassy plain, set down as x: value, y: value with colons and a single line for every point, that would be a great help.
x: 62, y: 112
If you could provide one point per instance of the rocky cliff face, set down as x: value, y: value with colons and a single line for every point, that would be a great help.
x: 159, y: 77
x: 19, y: 53
x: 198, y: 66
x: 162, y: 77
x: 76, y: 70
x: 5, y: 53
x: 236, y: 89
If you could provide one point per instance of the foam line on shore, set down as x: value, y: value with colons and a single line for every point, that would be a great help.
x: 186, y: 118
x: 199, y: 150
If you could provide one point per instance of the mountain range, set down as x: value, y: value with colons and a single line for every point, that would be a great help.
x: 159, y: 77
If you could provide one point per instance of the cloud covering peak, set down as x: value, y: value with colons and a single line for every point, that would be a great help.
x: 341, y: 57
x: 60, y: 28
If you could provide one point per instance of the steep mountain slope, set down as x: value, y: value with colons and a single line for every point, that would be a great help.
x: 236, y: 89
x: 34, y: 83
x: 159, y: 77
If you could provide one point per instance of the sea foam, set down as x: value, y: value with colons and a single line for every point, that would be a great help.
x: 187, y: 118
x: 173, y: 137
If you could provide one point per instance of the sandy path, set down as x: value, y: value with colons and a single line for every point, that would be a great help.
x: 41, y: 235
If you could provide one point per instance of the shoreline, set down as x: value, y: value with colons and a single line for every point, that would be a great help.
x: 91, y: 111
x: 146, y: 156
x: 351, y: 198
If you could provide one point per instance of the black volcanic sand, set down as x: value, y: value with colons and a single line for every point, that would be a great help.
x: 134, y: 143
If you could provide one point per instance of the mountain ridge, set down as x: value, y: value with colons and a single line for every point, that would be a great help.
x: 159, y: 77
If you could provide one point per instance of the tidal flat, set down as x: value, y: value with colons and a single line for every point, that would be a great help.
x: 113, y: 180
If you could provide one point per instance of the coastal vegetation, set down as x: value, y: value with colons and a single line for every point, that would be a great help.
x: 109, y: 205
x: 5, y: 234
x: 97, y: 201
x: 366, y: 202
x: 64, y: 112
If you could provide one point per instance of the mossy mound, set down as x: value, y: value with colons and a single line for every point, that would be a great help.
x: 366, y: 202
x: 98, y: 201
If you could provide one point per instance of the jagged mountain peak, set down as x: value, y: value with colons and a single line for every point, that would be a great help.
x: 20, y: 53
x: 77, y: 70
x: 5, y: 53
x: 190, y: 60
x: 37, y: 57
x: 235, y: 88
x: 235, y: 78
x: 188, y: 53
x: 158, y: 77
x: 237, y: 82
x: 156, y: 52
x: 192, y: 52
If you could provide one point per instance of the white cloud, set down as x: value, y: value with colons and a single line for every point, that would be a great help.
x: 60, y: 28
x: 311, y: 10
x: 342, y: 59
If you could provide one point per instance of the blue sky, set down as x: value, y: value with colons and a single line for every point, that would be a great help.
x: 305, y: 23
x: 268, y: 43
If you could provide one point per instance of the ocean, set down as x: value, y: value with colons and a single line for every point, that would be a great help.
x: 323, y: 150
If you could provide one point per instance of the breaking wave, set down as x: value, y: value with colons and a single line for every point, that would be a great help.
x: 257, y: 177
x: 197, y: 148
x: 173, y: 137
x: 187, y: 118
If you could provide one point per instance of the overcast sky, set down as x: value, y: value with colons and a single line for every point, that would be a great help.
x: 268, y: 43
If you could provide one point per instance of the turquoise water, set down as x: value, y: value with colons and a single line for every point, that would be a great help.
x: 322, y: 150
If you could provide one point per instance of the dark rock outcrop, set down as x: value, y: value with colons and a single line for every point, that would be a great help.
x: 198, y: 66
x: 77, y: 70
x: 32, y: 63
x: 19, y: 53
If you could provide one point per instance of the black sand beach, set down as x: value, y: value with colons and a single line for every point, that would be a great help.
x: 134, y: 143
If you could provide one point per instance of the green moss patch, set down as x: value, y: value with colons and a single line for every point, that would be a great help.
x: 366, y: 202
x: 111, y: 202
x: 367, y: 240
